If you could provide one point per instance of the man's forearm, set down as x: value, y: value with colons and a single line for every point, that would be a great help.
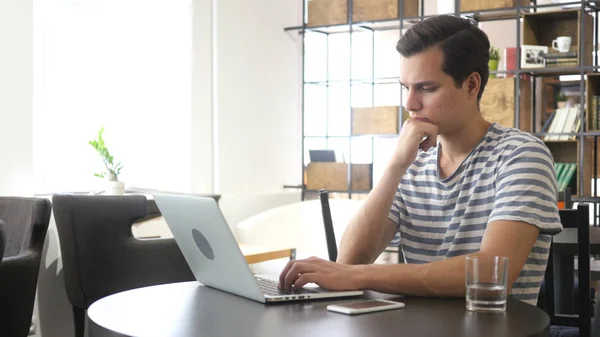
x: 445, y: 278
x: 367, y: 234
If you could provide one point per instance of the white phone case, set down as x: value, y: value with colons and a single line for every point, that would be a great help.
x: 363, y: 307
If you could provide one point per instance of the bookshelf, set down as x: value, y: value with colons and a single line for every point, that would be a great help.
x: 520, y: 97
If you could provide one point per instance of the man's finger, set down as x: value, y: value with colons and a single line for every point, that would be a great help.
x: 298, y: 268
x: 284, y: 273
x: 304, y: 279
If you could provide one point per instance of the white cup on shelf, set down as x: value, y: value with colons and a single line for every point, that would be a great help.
x: 562, y: 44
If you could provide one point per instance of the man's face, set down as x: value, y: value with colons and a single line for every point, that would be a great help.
x: 430, y: 94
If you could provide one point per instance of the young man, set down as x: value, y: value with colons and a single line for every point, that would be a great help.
x: 470, y: 188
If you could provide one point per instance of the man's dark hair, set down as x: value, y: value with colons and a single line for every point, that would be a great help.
x: 466, y: 48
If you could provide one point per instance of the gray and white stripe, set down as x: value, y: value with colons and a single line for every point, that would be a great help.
x: 509, y: 175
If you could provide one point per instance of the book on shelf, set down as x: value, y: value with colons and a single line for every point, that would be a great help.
x: 559, y: 55
x: 564, y: 174
x: 593, y: 110
x: 563, y: 120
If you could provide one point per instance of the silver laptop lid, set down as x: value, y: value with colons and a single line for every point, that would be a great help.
x: 202, y: 234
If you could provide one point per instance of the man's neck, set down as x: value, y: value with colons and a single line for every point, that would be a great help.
x: 459, y: 143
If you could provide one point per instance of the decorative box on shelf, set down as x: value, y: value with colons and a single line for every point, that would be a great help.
x: 374, y: 10
x: 375, y: 120
x: 498, y: 102
x: 334, y: 176
x: 478, y: 5
x: 335, y: 12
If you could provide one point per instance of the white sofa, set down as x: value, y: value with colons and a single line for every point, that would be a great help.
x: 298, y: 225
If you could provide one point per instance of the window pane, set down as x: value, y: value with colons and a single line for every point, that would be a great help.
x: 315, y: 110
x: 362, y: 55
x: 339, y: 110
x: 387, y: 59
x: 387, y: 94
x: 362, y: 150
x: 315, y: 57
x: 313, y: 144
x: 339, y: 62
x: 382, y: 151
x: 362, y: 95
x: 341, y: 147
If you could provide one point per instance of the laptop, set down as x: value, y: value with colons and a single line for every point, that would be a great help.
x: 214, y: 256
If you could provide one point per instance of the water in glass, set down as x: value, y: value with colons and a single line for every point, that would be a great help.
x: 486, y: 297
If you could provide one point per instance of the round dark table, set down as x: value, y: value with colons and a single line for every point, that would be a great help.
x: 191, y: 309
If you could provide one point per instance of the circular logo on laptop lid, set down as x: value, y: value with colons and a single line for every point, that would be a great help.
x: 203, y: 244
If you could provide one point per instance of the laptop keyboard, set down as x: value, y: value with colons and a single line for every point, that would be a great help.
x: 269, y: 287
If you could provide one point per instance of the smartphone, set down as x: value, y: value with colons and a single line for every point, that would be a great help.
x: 364, y: 307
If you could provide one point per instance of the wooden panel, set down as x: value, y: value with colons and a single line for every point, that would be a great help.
x: 498, y: 102
x: 362, y: 177
x: 327, y: 12
x: 257, y: 254
x: 476, y: 5
x: 334, y: 176
x: 375, y: 120
x: 411, y: 8
x: 371, y: 10
x: 374, y: 10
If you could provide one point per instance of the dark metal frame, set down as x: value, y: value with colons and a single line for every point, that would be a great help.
x: 399, y: 23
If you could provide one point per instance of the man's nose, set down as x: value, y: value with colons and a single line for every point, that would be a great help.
x: 412, y: 101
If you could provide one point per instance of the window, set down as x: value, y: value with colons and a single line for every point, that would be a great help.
x: 341, y: 71
x: 124, y: 65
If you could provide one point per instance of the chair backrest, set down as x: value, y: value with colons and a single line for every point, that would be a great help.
x: 579, y: 219
x: 92, y: 225
x: 26, y: 222
x: 101, y: 257
x: 328, y: 225
x: 2, y: 240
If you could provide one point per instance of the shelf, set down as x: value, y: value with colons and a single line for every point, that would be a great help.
x: 556, y: 71
x: 342, y: 191
x: 478, y: 15
x: 373, y: 81
x: 494, y: 14
x: 499, y: 102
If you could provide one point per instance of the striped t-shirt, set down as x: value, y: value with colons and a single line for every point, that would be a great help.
x: 509, y: 175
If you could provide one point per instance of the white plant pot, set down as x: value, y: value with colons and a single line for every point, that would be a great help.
x: 115, y: 188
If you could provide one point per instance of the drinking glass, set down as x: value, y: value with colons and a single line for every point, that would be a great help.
x: 486, y: 278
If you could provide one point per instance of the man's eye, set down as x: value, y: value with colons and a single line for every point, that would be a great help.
x: 429, y: 89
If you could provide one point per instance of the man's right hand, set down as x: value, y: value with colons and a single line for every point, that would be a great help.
x: 411, y: 139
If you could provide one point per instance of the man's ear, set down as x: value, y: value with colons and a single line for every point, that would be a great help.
x: 473, y: 84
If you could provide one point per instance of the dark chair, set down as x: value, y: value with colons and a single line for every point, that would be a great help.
x: 101, y: 256
x: 2, y: 240
x: 577, y: 324
x: 26, y: 222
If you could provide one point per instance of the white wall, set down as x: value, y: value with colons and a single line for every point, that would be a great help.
x: 16, y: 97
x: 202, y: 98
x: 259, y: 95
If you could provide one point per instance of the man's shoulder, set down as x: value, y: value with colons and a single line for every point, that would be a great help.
x: 505, y: 138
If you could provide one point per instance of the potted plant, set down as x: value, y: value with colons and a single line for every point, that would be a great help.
x: 115, y: 187
x: 561, y: 100
x: 494, y: 59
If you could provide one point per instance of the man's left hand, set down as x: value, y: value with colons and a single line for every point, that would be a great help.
x: 326, y: 274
